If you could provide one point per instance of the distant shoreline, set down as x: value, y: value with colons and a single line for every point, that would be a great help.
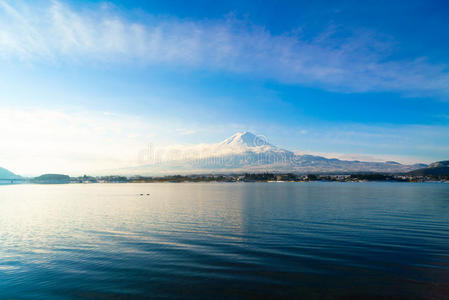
x: 220, y: 182
x: 230, y: 178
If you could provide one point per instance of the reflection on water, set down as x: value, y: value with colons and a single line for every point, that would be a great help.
x: 288, y: 240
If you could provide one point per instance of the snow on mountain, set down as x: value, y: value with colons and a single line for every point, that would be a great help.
x: 246, y: 141
x: 439, y: 168
x: 242, y: 142
x: 247, y: 152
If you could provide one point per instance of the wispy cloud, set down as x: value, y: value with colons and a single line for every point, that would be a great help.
x: 36, y: 140
x: 359, y: 62
x: 352, y: 141
x: 184, y: 131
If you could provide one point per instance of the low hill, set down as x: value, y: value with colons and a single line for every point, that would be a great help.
x: 52, y: 178
x: 440, y: 168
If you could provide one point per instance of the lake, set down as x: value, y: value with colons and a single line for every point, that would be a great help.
x: 225, y: 241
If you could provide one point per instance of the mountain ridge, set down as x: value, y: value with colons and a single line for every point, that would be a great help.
x: 247, y: 152
x: 439, y: 168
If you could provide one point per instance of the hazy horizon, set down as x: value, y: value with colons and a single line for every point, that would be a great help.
x: 241, y: 143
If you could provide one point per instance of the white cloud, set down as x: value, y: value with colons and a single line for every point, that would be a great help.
x: 40, y: 140
x: 36, y: 141
x: 58, y: 33
x: 184, y: 131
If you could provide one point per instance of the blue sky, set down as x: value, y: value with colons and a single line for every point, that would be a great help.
x: 86, y: 84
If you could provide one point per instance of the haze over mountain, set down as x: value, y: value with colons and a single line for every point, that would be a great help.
x: 6, y: 174
x: 247, y: 152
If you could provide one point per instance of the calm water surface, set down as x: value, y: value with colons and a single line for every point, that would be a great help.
x: 225, y: 241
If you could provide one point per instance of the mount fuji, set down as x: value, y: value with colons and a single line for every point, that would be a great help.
x: 247, y: 152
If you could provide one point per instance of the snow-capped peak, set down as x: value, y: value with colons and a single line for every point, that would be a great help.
x: 246, y: 139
